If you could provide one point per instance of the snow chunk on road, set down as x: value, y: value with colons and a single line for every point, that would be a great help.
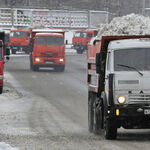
x: 4, y: 146
x: 132, y: 24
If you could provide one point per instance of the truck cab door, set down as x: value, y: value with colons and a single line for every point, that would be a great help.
x: 107, y: 73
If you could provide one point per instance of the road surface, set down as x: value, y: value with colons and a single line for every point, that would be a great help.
x: 48, y: 110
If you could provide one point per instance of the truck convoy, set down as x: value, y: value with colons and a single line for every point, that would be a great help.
x: 20, y: 40
x: 118, y: 79
x: 3, y: 51
x: 47, y: 49
x: 81, y: 39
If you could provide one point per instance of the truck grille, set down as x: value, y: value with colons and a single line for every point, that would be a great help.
x: 141, y: 97
x: 49, y: 54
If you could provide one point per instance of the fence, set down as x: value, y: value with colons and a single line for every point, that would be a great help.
x: 24, y: 18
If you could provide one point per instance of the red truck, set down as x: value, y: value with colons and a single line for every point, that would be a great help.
x: 118, y: 77
x: 81, y: 39
x: 48, y: 49
x: 3, y: 52
x: 20, y: 40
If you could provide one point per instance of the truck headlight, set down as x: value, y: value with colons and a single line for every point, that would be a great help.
x: 61, y: 59
x: 37, y: 59
x: 121, y: 99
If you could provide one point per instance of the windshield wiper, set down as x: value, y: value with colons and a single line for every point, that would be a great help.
x: 131, y: 68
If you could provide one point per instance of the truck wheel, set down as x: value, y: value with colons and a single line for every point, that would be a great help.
x: 98, y: 119
x: 27, y: 51
x: 110, y: 130
x: 35, y: 68
x: 79, y: 51
x: 1, y: 89
x: 31, y: 65
x: 13, y: 51
x: 59, y: 68
x: 91, y: 111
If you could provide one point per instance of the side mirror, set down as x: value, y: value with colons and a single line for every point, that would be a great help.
x: 66, y: 42
x: 1, y: 43
x: 98, y: 63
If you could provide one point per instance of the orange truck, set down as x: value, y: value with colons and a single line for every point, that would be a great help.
x: 3, y: 52
x: 81, y: 39
x: 20, y: 40
x: 118, y: 77
x: 48, y: 49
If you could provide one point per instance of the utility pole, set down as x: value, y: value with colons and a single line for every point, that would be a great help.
x: 143, y: 8
x: 118, y: 7
x: 12, y: 11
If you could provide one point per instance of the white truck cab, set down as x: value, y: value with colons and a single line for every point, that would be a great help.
x: 128, y: 61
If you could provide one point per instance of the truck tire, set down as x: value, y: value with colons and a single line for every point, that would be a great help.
x: 1, y: 89
x: 31, y: 64
x: 90, y: 112
x: 60, y: 68
x: 110, y: 130
x: 98, y: 119
x: 13, y: 51
x: 35, y: 68
x: 80, y: 51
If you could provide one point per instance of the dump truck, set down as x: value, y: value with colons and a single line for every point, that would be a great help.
x: 118, y: 77
x: 47, y: 49
x: 81, y: 39
x: 20, y: 40
x: 4, y: 53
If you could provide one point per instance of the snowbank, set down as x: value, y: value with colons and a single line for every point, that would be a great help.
x: 4, y: 146
x: 127, y: 25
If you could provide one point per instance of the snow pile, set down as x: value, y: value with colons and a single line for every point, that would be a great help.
x: 127, y: 25
x: 4, y: 146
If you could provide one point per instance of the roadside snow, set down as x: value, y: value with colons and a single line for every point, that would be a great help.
x: 4, y: 146
x: 9, y: 93
x: 132, y: 24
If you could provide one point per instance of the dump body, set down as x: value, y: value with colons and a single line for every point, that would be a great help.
x: 20, y: 40
x: 48, y: 49
x: 81, y: 39
x: 118, y: 83
x: 101, y: 45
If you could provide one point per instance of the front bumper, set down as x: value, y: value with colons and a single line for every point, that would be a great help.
x: 45, y: 62
x: 130, y: 116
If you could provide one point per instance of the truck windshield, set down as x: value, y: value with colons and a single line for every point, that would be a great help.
x: 17, y: 34
x: 49, y: 40
x: 136, y: 58
x: 80, y: 34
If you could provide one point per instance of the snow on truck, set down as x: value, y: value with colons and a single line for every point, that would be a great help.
x: 118, y: 79
x: 81, y: 39
x: 47, y: 49
x: 3, y: 52
x: 20, y: 40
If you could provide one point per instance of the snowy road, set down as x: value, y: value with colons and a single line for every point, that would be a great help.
x: 47, y: 110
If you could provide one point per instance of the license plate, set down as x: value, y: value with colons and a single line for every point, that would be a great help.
x: 147, y: 111
x: 49, y: 62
